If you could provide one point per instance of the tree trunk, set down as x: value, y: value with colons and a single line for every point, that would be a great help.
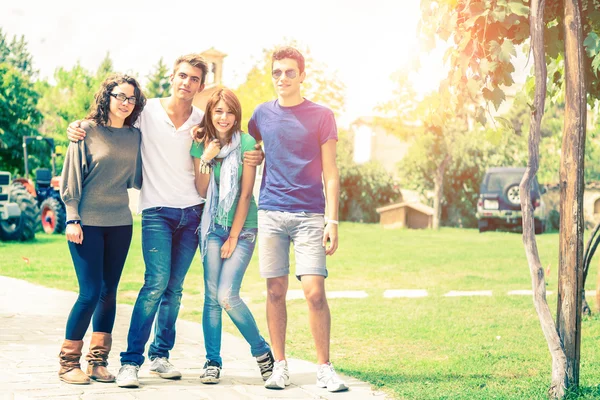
x: 570, y: 270
x: 598, y: 291
x: 589, y: 251
x: 559, y: 362
x: 439, y: 191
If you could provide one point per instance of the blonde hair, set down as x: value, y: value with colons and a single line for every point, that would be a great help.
x: 195, y: 60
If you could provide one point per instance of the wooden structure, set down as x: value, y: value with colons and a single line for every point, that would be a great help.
x: 406, y: 215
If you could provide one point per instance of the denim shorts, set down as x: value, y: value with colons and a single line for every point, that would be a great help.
x: 277, y: 229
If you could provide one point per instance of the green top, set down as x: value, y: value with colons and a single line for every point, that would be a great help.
x: 248, y: 143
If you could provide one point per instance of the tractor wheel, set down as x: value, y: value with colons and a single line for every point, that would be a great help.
x: 54, y: 217
x: 20, y: 228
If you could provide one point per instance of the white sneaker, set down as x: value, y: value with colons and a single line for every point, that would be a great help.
x: 280, y: 378
x: 128, y: 376
x: 162, y: 367
x: 327, y: 378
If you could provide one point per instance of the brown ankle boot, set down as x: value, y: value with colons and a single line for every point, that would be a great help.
x: 98, y: 356
x: 70, y: 369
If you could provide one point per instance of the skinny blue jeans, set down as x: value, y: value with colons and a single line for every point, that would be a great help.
x: 98, y: 262
x: 222, y: 283
x: 169, y: 243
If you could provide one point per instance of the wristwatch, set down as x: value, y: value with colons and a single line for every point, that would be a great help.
x: 74, y: 221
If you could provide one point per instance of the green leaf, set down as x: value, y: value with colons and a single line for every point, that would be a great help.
x: 507, y: 50
x: 552, y: 42
x: 499, y: 14
x: 473, y: 87
x: 592, y: 44
x: 506, y: 124
x: 516, y: 7
x: 495, y: 48
x: 498, y: 97
x: 484, y: 67
x: 596, y: 64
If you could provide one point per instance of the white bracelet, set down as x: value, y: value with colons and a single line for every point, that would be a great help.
x: 333, y: 221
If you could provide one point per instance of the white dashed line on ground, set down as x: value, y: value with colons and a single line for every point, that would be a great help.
x: 410, y: 293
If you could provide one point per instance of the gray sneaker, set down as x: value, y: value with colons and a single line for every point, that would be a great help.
x: 327, y: 378
x: 128, y: 376
x: 212, y: 372
x: 162, y: 367
x: 280, y: 378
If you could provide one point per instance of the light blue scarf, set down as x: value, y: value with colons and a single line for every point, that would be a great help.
x: 220, y: 198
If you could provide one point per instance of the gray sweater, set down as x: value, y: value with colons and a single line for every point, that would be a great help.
x: 97, y: 173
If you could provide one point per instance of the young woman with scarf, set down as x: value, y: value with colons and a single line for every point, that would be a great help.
x: 228, y: 228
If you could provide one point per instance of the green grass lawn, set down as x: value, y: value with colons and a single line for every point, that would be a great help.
x: 428, y: 348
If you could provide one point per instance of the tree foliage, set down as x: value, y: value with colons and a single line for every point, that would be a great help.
x: 363, y: 187
x: 319, y: 86
x: 431, y: 122
x: 16, y: 54
x: 19, y: 115
x: 158, y: 84
x: 69, y: 99
x: 483, y: 36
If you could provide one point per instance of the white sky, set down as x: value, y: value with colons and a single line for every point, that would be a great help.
x: 363, y: 41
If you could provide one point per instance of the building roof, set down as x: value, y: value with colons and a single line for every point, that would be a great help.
x: 420, y: 207
x: 213, y: 52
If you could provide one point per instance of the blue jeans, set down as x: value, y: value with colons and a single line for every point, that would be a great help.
x: 222, y: 283
x: 169, y: 243
x: 98, y: 262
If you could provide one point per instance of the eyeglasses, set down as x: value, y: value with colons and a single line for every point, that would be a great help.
x: 122, y: 97
x: 290, y: 73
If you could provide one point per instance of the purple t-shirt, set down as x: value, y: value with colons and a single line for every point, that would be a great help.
x: 292, y: 139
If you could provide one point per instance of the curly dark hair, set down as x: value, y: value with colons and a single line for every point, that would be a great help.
x: 101, y: 106
x: 288, y: 52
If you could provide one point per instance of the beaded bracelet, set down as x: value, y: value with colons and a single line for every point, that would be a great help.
x: 205, y: 166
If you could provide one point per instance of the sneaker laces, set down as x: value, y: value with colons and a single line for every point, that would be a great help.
x: 211, y: 371
x: 165, y: 363
x: 327, y: 372
x: 128, y: 372
x: 265, y: 363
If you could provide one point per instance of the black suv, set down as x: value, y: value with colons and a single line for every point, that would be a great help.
x: 499, y: 203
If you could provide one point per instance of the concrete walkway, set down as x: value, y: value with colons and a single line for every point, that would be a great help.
x: 32, y: 324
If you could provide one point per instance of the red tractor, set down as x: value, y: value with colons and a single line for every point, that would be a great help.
x: 46, y: 190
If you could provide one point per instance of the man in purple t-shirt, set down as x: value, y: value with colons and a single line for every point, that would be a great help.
x: 299, y: 139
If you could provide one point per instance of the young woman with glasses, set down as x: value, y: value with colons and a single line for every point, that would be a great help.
x: 96, y: 175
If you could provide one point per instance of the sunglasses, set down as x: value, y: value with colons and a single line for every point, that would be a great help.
x: 290, y: 73
x: 122, y: 97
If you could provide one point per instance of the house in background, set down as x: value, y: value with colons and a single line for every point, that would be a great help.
x: 214, y: 77
x: 406, y: 215
x: 374, y: 143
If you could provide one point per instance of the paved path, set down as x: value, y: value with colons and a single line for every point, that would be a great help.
x: 32, y: 323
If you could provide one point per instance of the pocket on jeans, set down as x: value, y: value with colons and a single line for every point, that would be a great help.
x: 151, y: 210
x: 311, y: 215
x: 248, y: 235
x: 198, y: 210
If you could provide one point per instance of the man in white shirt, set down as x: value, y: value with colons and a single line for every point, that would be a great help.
x: 171, y: 209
